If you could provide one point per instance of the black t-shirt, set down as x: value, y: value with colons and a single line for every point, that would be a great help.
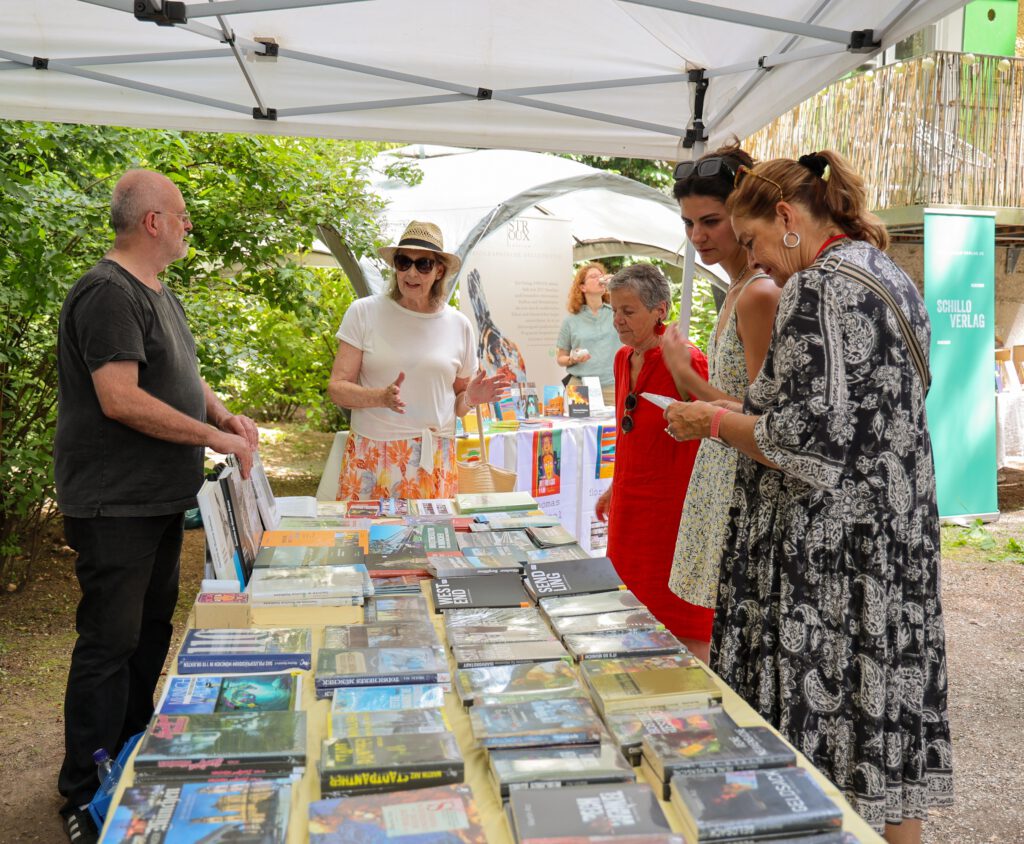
x: 104, y: 468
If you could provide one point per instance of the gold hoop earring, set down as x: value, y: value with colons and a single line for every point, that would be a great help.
x: 787, y: 244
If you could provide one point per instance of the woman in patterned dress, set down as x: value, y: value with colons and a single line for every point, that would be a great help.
x: 736, y: 350
x: 829, y: 618
x: 407, y: 366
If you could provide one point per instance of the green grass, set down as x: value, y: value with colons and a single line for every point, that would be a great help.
x: 976, y: 537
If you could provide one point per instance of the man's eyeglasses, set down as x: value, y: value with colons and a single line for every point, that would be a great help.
x: 627, y: 419
x: 706, y: 168
x: 743, y: 171
x: 181, y: 215
x: 423, y: 265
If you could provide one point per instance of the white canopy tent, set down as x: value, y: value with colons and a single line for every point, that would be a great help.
x: 471, y: 193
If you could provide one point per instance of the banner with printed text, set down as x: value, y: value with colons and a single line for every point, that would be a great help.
x: 959, y: 291
x: 598, y: 468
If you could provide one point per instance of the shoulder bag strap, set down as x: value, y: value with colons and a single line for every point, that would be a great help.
x: 837, y: 265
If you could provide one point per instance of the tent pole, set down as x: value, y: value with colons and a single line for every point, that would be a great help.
x: 696, y: 135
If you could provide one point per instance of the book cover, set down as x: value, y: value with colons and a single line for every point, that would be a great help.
x: 590, y: 604
x: 577, y: 399
x: 724, y: 747
x: 201, y: 693
x: 531, y: 401
x: 628, y: 664
x: 629, y: 809
x: 507, y: 653
x: 606, y: 622
x: 396, y: 549
x: 553, y: 402
x: 346, y: 724
x: 387, y: 698
x: 397, y: 608
x: 556, y: 767
x: 379, y: 634
x: 535, y: 723
x: 265, y: 501
x: 642, y: 689
x: 315, y: 537
x: 440, y: 539
x: 550, y: 536
x: 551, y: 679
x: 340, y: 668
x: 249, y: 507
x: 364, y: 764
x: 561, y: 552
x: 245, y: 650
x: 748, y: 804
x: 309, y: 556
x: 224, y: 554
x: 462, y: 636
x: 341, y: 585
x: 442, y: 508
x: 478, y: 590
x: 485, y: 563
x: 630, y: 642
x: 441, y: 815
x: 254, y: 812
x: 488, y: 502
x: 494, y: 617
x: 512, y: 521
x: 629, y: 728
x: 572, y: 577
x: 196, y: 746
x: 480, y: 542
x: 242, y: 535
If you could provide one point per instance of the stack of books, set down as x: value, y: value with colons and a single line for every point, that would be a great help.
x: 245, y: 650
x: 535, y: 723
x: 556, y: 767
x: 334, y: 586
x: 517, y: 683
x: 368, y: 764
x: 634, y: 683
x: 339, y: 668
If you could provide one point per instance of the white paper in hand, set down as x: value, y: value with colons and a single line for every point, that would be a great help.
x: 661, y: 401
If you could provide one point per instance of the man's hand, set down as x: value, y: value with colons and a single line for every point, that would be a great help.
x: 392, y: 395
x: 226, y: 443
x: 244, y: 427
x: 603, y: 505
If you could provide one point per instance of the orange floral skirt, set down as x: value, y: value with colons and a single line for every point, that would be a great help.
x: 391, y: 469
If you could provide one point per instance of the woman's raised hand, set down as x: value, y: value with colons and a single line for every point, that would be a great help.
x: 482, y: 390
x: 392, y: 398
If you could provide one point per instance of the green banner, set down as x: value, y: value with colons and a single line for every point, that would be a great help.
x: 959, y: 290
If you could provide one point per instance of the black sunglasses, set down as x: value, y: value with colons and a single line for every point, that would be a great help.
x: 706, y: 168
x: 627, y: 420
x: 423, y: 265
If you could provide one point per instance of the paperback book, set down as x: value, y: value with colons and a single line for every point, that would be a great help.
x: 587, y: 812
x: 204, y: 693
x: 440, y: 815
x: 551, y: 555
x: 599, y: 602
x: 367, y: 764
x: 245, y: 650
x: 221, y: 745
x: 512, y: 521
x: 251, y: 812
x: 550, y: 536
x: 479, y: 590
x: 642, y: 689
x: 577, y: 399
x: 397, y: 608
x: 554, y: 403
x: 535, y: 723
x: 396, y: 549
x: 503, y: 683
x: 753, y: 804
x: 629, y: 728
x: 493, y: 502
x: 379, y: 635
x: 439, y: 508
x: 309, y: 536
x: 718, y: 750
x: 440, y: 539
x: 606, y: 622
x: 572, y: 577
x: 224, y: 555
x: 341, y: 668
x: 306, y: 556
x: 265, y: 501
x: 335, y: 585
x: 472, y: 563
x: 497, y: 635
x: 387, y: 698
x: 557, y: 767
x: 487, y: 618
x: 386, y: 723
x: 245, y: 525
x: 628, y: 643
x: 507, y: 653
x: 482, y: 541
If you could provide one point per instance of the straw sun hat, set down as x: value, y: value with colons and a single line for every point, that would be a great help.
x: 425, y: 236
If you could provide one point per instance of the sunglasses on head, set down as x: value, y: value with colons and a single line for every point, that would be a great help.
x: 743, y: 171
x: 706, y: 168
x: 423, y: 265
x: 627, y: 419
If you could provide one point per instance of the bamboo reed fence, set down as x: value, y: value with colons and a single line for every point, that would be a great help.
x: 943, y: 128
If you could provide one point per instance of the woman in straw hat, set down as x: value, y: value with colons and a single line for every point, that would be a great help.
x: 406, y: 367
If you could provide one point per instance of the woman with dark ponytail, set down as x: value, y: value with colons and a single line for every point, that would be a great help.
x: 829, y: 618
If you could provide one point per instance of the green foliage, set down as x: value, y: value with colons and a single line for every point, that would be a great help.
x: 263, y: 323
x: 976, y: 536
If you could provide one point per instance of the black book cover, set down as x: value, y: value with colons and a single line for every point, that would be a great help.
x: 361, y: 764
x: 572, y: 577
x: 550, y: 767
x: 479, y: 590
x: 723, y: 747
x: 587, y: 810
x: 239, y: 536
x: 753, y: 803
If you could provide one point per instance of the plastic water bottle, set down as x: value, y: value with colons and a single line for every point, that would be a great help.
x: 108, y: 771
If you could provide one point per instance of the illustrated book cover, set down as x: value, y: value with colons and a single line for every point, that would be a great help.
x: 245, y: 650
x: 363, y: 764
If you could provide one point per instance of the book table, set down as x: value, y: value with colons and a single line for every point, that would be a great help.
x: 487, y: 799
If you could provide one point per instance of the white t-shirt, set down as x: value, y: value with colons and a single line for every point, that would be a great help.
x: 431, y: 349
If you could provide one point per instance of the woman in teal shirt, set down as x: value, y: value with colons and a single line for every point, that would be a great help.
x: 587, y: 340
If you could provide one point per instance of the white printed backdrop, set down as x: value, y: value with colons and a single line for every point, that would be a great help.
x: 513, y: 287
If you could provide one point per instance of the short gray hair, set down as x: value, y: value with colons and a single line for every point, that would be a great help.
x: 647, y: 281
x: 128, y: 204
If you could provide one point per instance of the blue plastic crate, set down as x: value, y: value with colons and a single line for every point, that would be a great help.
x: 100, y: 803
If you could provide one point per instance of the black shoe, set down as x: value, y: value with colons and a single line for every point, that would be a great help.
x: 80, y: 828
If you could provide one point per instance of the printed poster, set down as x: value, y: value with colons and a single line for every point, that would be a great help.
x: 547, y: 463
x: 598, y: 467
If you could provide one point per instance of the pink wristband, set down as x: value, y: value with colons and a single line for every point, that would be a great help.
x: 716, y: 422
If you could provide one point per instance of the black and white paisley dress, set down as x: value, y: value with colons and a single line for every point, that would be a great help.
x: 829, y: 618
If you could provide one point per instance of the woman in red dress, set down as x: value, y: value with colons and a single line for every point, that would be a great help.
x: 652, y: 470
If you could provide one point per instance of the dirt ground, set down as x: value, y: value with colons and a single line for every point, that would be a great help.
x: 983, y: 592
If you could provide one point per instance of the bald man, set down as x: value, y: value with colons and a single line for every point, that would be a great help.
x: 133, y: 417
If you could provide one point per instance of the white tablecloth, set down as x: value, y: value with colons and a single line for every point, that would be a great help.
x: 1009, y: 426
